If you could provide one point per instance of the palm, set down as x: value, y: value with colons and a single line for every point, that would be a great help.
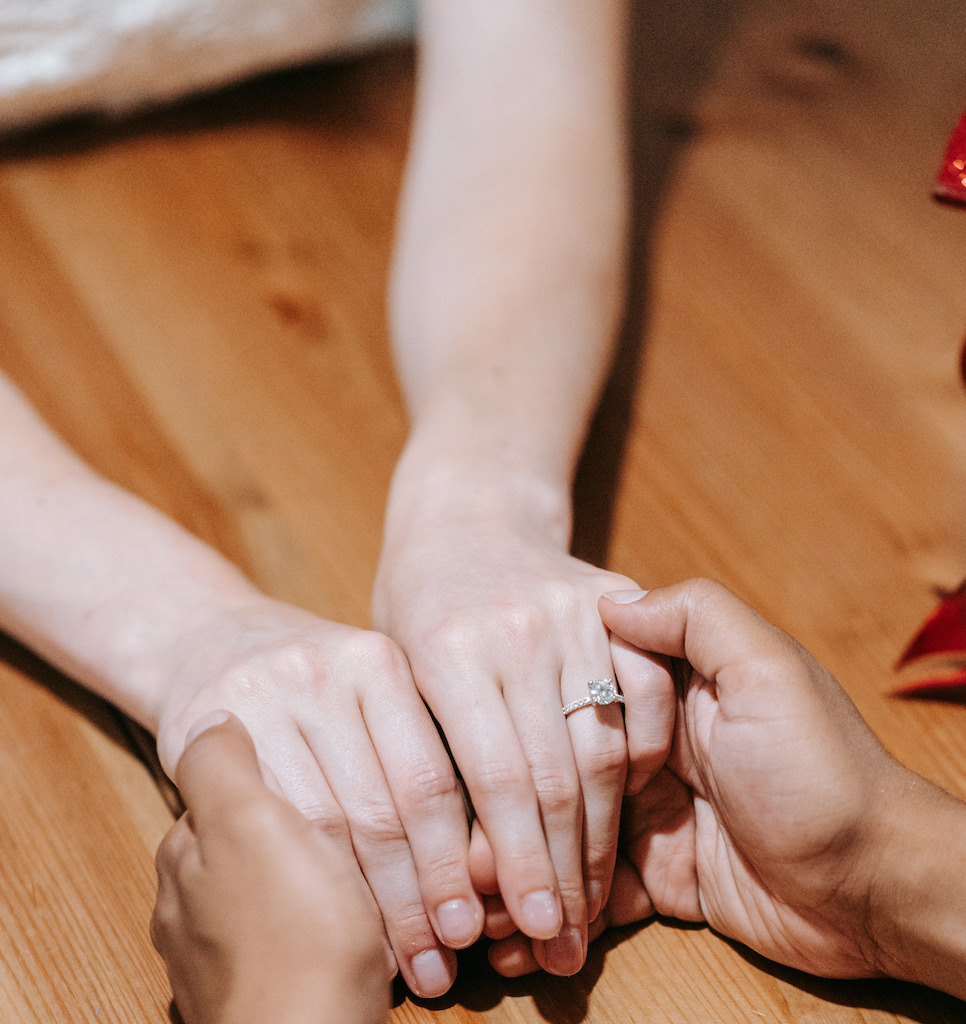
x: 756, y: 844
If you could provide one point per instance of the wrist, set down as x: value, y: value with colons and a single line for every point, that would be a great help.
x: 917, y: 919
x: 440, y: 484
x: 112, y: 595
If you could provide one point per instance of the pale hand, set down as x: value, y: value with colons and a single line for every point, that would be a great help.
x: 501, y: 629
x: 334, y: 715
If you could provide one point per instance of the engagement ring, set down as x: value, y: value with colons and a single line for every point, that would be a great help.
x: 600, y: 692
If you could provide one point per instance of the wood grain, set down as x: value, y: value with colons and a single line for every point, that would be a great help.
x: 194, y: 299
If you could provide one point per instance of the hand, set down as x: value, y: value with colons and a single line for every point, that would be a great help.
x: 133, y: 606
x: 501, y: 629
x: 780, y: 818
x: 260, y: 915
x: 333, y: 713
x: 769, y: 821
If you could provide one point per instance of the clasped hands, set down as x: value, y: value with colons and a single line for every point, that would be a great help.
x: 770, y: 811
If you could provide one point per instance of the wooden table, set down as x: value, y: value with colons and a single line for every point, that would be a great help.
x: 195, y: 301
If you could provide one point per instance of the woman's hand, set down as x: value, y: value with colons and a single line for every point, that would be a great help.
x: 334, y: 715
x: 260, y: 915
x: 501, y: 629
x: 131, y: 605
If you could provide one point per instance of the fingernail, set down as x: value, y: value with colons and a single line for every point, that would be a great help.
x: 541, y: 911
x: 625, y: 596
x: 595, y: 899
x: 431, y: 973
x: 564, y: 953
x: 206, y: 722
x: 458, y: 923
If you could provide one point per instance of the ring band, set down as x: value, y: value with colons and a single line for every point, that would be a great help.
x: 599, y: 692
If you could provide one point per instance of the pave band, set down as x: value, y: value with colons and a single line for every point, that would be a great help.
x: 599, y: 692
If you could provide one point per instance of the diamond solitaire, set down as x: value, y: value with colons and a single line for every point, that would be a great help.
x: 599, y: 692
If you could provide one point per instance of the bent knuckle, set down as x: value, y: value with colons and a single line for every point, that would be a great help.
x: 606, y: 762
x: 377, y: 826
x: 377, y: 655
x: 454, y: 641
x: 500, y: 778
x: 259, y: 818
x: 558, y: 792
x: 701, y: 589
x: 301, y: 664
x: 431, y: 784
x: 521, y: 626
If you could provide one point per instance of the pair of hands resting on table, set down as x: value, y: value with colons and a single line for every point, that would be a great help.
x: 778, y: 818
x: 501, y: 631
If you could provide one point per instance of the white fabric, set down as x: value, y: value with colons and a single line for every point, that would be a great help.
x: 61, y: 56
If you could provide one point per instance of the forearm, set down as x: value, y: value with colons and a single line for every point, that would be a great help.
x: 918, y: 921
x: 95, y: 580
x: 509, y: 268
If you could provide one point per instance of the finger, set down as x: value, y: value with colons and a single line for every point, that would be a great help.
x: 482, y: 863
x: 342, y: 745
x: 381, y: 845
x: 177, y: 849
x: 174, y: 847
x: 513, y: 957
x: 497, y: 921
x: 649, y: 712
x: 428, y: 797
x: 483, y: 738
x: 545, y: 737
x: 600, y: 751
x: 629, y: 900
x: 709, y: 627
x: 222, y: 760
x: 219, y: 767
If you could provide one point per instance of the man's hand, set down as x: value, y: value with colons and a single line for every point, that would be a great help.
x: 779, y: 818
x: 260, y: 915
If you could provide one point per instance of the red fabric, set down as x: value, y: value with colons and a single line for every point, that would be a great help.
x: 951, y: 184
x: 944, y: 632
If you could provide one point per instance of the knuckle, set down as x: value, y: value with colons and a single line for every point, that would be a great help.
x: 376, y: 654
x: 702, y: 589
x: 300, y: 663
x: 328, y: 820
x: 379, y: 826
x: 500, y: 778
x: 432, y: 783
x: 606, y: 762
x: 448, y: 862
x: 256, y: 819
x: 571, y: 891
x: 558, y: 793
x: 409, y: 924
x: 455, y: 641
x: 521, y: 626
